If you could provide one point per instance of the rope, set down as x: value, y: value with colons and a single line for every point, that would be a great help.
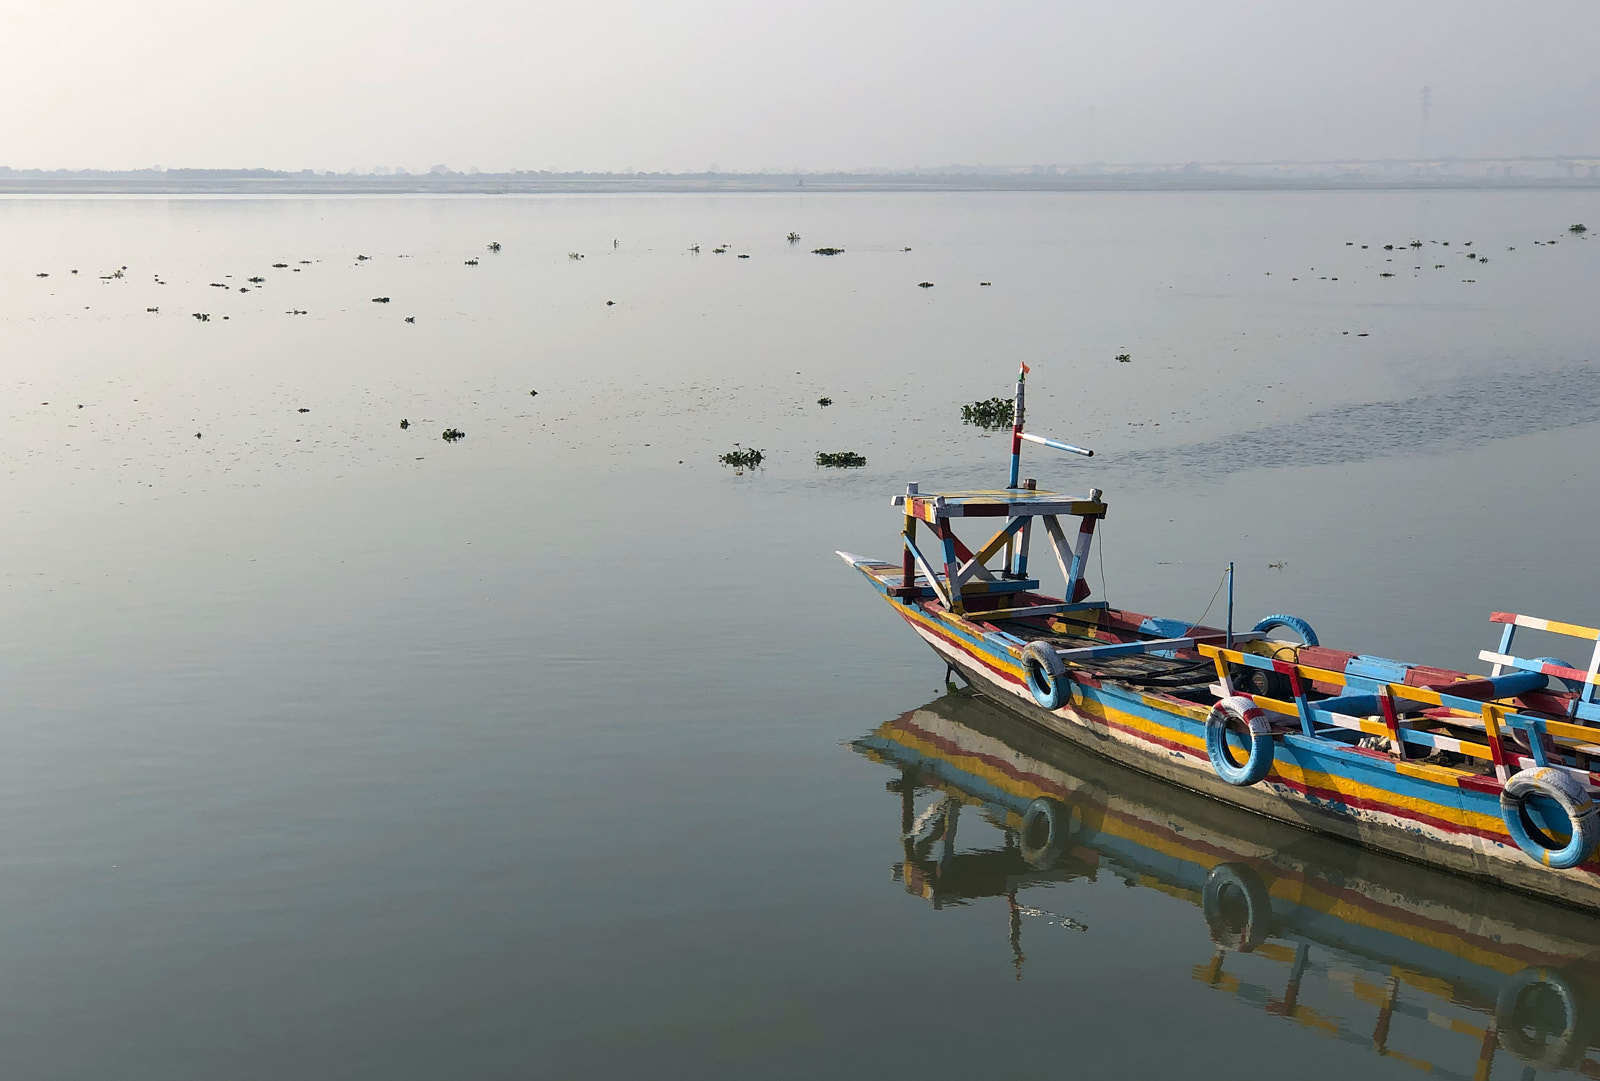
x: 1213, y: 600
x: 1100, y: 551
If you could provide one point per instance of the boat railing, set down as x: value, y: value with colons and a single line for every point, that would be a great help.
x: 1583, y: 704
x: 1367, y: 707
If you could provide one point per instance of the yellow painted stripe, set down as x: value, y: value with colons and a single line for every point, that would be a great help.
x: 1571, y: 630
x: 1282, y: 770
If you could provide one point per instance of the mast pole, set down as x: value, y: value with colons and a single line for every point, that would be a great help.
x: 1016, y: 427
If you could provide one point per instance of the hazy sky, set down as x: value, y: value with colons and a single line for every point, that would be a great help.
x: 683, y: 84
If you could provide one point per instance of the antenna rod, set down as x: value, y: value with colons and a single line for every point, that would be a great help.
x: 1056, y: 444
x: 1230, y: 604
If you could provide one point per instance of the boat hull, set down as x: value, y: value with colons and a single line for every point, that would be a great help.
x: 1420, y: 812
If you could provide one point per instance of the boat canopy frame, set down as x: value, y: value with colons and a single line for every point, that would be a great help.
x: 966, y: 571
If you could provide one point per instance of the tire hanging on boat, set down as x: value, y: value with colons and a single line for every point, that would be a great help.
x: 1571, y: 796
x: 1522, y: 1031
x: 1046, y: 673
x: 1237, y: 906
x: 1239, y: 711
x: 1293, y: 623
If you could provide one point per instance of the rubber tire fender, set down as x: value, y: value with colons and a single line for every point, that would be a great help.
x: 1571, y: 795
x: 1241, y: 880
x: 1560, y: 1051
x: 1046, y: 675
x: 1259, y: 763
x: 1293, y: 623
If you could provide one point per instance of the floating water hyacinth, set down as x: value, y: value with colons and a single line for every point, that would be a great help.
x: 840, y: 459
x: 991, y: 415
x: 742, y: 457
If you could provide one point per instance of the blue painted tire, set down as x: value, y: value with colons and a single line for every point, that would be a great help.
x: 1568, y: 793
x: 1522, y: 1031
x: 1293, y: 623
x: 1237, y: 907
x: 1239, y: 711
x: 1046, y: 675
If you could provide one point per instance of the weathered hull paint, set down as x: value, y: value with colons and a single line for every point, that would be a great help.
x: 1412, y: 810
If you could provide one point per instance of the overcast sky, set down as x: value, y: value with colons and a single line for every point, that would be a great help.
x: 684, y: 84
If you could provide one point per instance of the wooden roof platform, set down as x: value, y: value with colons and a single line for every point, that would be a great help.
x: 998, y: 503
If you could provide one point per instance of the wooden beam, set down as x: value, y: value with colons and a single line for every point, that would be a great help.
x: 927, y: 570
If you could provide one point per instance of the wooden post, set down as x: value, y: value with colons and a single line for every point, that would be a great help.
x: 1222, y: 676
x: 1080, y: 556
x: 1016, y: 427
x: 952, y: 568
x: 1491, y: 730
x: 1301, y: 702
x: 908, y: 569
x: 1027, y: 534
x: 1391, y: 718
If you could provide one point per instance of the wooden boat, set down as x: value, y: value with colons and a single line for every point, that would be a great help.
x: 1490, y: 775
x: 1323, y: 938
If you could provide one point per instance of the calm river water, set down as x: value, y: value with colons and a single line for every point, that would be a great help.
x: 334, y: 749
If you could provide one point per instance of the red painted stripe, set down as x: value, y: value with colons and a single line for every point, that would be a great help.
x: 1322, y: 794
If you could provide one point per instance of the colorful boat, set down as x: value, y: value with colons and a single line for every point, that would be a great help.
x: 1488, y: 774
x: 1332, y: 941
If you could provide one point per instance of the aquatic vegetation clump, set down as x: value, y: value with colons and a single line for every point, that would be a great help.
x: 824, y: 402
x: 1124, y: 358
x: 991, y: 415
x: 742, y: 457
x: 494, y: 245
x: 1578, y: 228
x: 840, y: 459
x: 792, y: 237
x: 452, y: 434
x: 827, y: 251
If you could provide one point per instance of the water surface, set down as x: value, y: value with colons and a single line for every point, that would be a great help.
x: 339, y: 750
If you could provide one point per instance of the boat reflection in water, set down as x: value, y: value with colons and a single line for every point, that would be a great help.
x: 1377, y: 944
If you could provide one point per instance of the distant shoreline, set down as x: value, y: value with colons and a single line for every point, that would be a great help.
x: 1375, y: 177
